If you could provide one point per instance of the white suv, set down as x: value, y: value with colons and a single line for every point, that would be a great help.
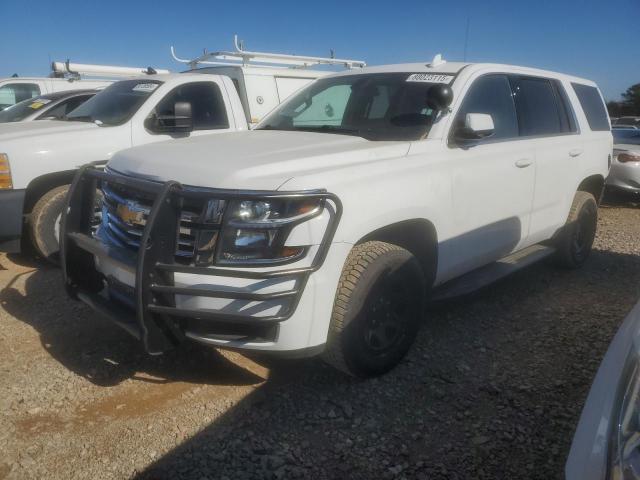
x: 328, y: 227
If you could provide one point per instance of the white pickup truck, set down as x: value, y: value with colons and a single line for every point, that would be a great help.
x: 327, y: 227
x: 38, y: 159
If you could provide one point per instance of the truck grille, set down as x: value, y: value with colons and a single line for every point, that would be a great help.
x: 124, y: 216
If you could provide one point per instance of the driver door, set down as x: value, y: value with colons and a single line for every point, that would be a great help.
x: 209, y: 110
x: 492, y: 180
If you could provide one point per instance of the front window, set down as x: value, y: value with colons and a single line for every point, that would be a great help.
x: 22, y: 110
x: 383, y: 106
x: 116, y: 104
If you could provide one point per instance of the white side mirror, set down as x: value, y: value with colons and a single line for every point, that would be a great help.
x: 479, y: 125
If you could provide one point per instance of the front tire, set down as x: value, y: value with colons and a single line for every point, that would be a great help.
x: 377, y: 311
x: 44, y: 223
x: 575, y: 241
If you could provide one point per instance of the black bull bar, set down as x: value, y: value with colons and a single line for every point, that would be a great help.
x: 156, y: 321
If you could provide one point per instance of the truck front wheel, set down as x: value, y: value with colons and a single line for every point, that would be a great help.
x: 44, y: 222
x: 377, y: 311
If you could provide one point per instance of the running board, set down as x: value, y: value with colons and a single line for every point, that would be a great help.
x: 483, y: 276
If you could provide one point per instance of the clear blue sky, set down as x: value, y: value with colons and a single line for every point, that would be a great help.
x: 595, y: 39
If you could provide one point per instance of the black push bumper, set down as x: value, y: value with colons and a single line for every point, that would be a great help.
x: 155, y: 319
x: 11, y: 208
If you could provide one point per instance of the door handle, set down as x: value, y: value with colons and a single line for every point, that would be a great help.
x: 523, y: 163
x: 575, y: 152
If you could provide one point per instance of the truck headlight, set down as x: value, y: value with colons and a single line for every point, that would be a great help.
x: 625, y: 434
x: 6, y: 181
x: 255, y: 231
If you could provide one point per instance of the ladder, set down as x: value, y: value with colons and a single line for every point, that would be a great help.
x: 78, y: 70
x: 242, y: 57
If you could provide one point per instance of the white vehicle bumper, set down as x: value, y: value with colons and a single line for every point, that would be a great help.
x: 162, y: 300
x: 624, y: 176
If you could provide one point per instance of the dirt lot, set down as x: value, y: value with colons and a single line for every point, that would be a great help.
x: 492, y: 389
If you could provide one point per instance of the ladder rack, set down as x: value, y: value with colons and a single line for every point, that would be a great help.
x: 77, y: 70
x: 247, y: 58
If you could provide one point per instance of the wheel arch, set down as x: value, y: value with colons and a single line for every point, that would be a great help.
x: 42, y: 184
x: 593, y: 184
x: 418, y: 236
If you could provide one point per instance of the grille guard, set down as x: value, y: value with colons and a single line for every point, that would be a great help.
x: 156, y: 318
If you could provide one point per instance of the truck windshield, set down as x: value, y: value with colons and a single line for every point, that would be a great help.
x: 380, y: 106
x: 115, y: 104
x: 22, y: 110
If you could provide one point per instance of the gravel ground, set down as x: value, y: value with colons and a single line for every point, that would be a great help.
x: 492, y: 389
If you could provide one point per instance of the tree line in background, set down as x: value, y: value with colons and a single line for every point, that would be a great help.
x: 629, y: 105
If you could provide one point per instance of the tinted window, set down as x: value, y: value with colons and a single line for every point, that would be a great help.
x: 537, y: 107
x: 491, y: 94
x: 592, y: 105
x: 17, y: 92
x: 64, y: 107
x: 207, y: 106
x: 627, y: 137
x: 567, y: 115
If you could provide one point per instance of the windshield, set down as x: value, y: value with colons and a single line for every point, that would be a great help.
x: 22, y: 110
x: 115, y: 104
x: 382, y: 106
x: 628, y: 137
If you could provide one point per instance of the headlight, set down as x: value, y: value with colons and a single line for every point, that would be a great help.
x: 5, y: 172
x: 625, y: 435
x: 255, y: 231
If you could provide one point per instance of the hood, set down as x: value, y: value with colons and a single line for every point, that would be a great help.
x: 13, y: 130
x: 255, y: 160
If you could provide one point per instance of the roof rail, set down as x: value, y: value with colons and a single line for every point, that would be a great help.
x: 77, y: 70
x: 244, y: 57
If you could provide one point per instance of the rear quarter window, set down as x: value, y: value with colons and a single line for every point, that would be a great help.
x: 593, y: 106
x: 538, y: 111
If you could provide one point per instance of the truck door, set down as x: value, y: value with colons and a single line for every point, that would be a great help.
x: 492, y: 180
x: 210, y: 109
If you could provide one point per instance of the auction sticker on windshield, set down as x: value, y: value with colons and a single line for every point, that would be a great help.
x: 39, y: 103
x: 145, y: 87
x: 429, y: 78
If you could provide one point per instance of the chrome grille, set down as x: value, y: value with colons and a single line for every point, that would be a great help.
x: 127, y: 232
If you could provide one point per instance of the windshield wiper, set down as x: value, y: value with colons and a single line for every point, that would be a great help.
x: 79, y: 118
x: 328, y: 129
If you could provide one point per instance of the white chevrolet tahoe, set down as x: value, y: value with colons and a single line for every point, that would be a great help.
x: 328, y: 227
x: 38, y: 159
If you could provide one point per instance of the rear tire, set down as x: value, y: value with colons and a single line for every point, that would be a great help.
x: 575, y: 241
x: 44, y: 223
x: 377, y: 311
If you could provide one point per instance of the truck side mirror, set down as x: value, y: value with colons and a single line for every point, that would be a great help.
x: 181, y: 121
x: 477, y: 126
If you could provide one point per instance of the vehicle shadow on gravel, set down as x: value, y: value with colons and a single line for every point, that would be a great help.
x: 492, y: 389
x: 96, y: 349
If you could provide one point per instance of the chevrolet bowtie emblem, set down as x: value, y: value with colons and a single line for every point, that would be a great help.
x: 131, y: 213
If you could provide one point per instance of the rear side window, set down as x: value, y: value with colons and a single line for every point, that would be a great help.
x: 593, y: 107
x: 66, y: 106
x: 567, y: 115
x: 537, y: 107
x: 491, y: 94
x: 207, y: 106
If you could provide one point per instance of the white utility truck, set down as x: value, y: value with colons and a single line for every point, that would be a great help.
x: 327, y: 227
x: 64, y: 76
x: 38, y: 160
